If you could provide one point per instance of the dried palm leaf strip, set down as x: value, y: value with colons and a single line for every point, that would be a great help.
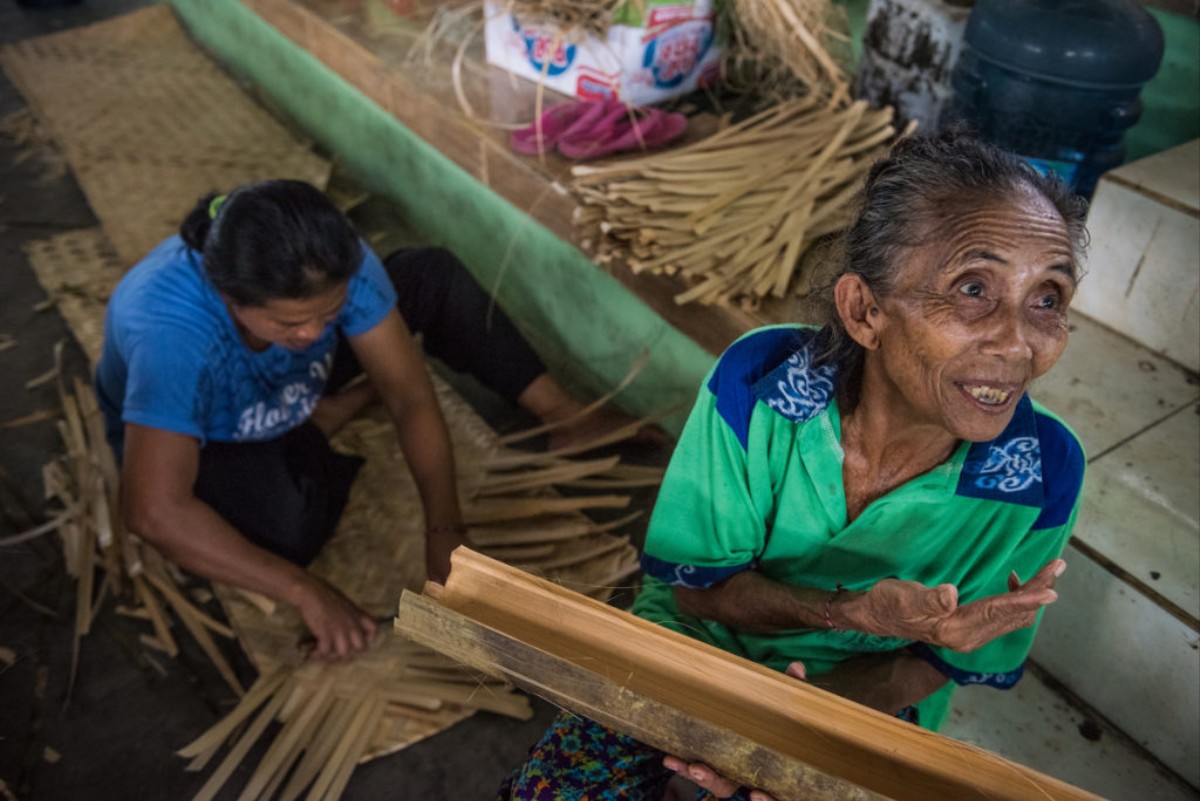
x: 635, y: 369
x: 290, y: 740
x: 353, y: 742
x: 511, y: 460
x: 551, y: 531
x: 235, y: 756
x: 333, y: 727
x: 502, y: 509
x: 557, y: 473
x: 518, y: 553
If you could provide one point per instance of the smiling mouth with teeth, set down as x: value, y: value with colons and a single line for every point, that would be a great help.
x: 989, y: 395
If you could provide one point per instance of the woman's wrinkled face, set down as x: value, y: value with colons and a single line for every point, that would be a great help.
x: 978, y: 314
x: 289, y: 322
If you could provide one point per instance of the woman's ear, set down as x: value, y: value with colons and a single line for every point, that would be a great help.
x: 858, y: 310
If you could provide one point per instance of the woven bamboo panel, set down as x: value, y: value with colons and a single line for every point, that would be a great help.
x: 149, y: 123
x: 79, y: 269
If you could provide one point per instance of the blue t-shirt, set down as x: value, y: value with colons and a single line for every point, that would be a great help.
x: 174, y: 360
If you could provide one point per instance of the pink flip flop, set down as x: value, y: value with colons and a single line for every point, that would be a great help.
x: 555, y: 122
x: 622, y: 128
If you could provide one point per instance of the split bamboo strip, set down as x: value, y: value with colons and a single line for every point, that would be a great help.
x: 190, y: 617
x: 458, y: 676
x: 202, y: 749
x: 358, y: 746
x: 507, y: 483
x: 332, y: 729
x: 57, y: 523
x: 518, y: 553
x: 367, y: 712
x: 599, y: 549
x: 480, y: 696
x: 276, y: 759
x: 162, y: 629
x: 505, y: 462
x: 234, y: 758
x: 495, y: 510
x: 753, y: 724
x: 635, y: 369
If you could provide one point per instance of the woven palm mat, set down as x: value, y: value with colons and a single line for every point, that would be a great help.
x: 398, y: 693
x: 149, y: 123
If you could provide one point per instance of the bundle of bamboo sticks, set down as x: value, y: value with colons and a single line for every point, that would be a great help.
x: 734, y: 213
x: 335, y: 716
x: 85, y: 481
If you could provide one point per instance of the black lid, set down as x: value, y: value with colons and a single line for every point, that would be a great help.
x: 1090, y: 42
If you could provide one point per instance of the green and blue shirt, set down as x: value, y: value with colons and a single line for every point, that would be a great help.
x: 756, y: 484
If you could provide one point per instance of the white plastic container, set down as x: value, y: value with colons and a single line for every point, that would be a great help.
x: 670, y: 51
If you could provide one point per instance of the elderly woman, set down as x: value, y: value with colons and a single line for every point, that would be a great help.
x: 876, y: 506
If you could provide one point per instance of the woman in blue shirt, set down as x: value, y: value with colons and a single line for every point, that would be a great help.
x: 228, y: 359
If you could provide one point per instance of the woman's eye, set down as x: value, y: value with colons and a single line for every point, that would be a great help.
x: 972, y: 289
x: 1050, y: 301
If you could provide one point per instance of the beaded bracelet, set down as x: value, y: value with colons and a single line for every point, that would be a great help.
x: 829, y: 605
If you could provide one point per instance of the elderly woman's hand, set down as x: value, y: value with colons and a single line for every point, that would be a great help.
x: 906, y: 609
x: 708, y: 779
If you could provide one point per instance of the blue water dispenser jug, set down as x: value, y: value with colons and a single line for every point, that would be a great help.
x: 1056, y: 81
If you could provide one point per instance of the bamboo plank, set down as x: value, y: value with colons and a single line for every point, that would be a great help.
x: 753, y: 724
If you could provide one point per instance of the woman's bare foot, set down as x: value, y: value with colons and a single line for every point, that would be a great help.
x: 553, y: 406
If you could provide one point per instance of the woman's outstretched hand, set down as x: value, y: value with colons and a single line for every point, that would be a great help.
x: 906, y: 609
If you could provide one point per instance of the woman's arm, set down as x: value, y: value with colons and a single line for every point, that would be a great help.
x: 892, y: 608
x: 751, y: 602
x: 158, y: 474
x: 393, y: 362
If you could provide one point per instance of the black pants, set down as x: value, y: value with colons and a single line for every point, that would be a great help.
x: 287, y: 494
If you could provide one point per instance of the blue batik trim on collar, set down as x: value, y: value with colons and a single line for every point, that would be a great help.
x: 691, y: 576
x: 742, y: 365
x: 1008, y: 468
x: 1062, y: 466
x: 1001, y: 681
x: 796, y: 389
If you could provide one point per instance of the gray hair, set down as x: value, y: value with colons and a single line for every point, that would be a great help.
x: 904, y: 197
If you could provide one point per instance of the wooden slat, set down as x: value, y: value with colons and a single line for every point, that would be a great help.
x: 751, y: 723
